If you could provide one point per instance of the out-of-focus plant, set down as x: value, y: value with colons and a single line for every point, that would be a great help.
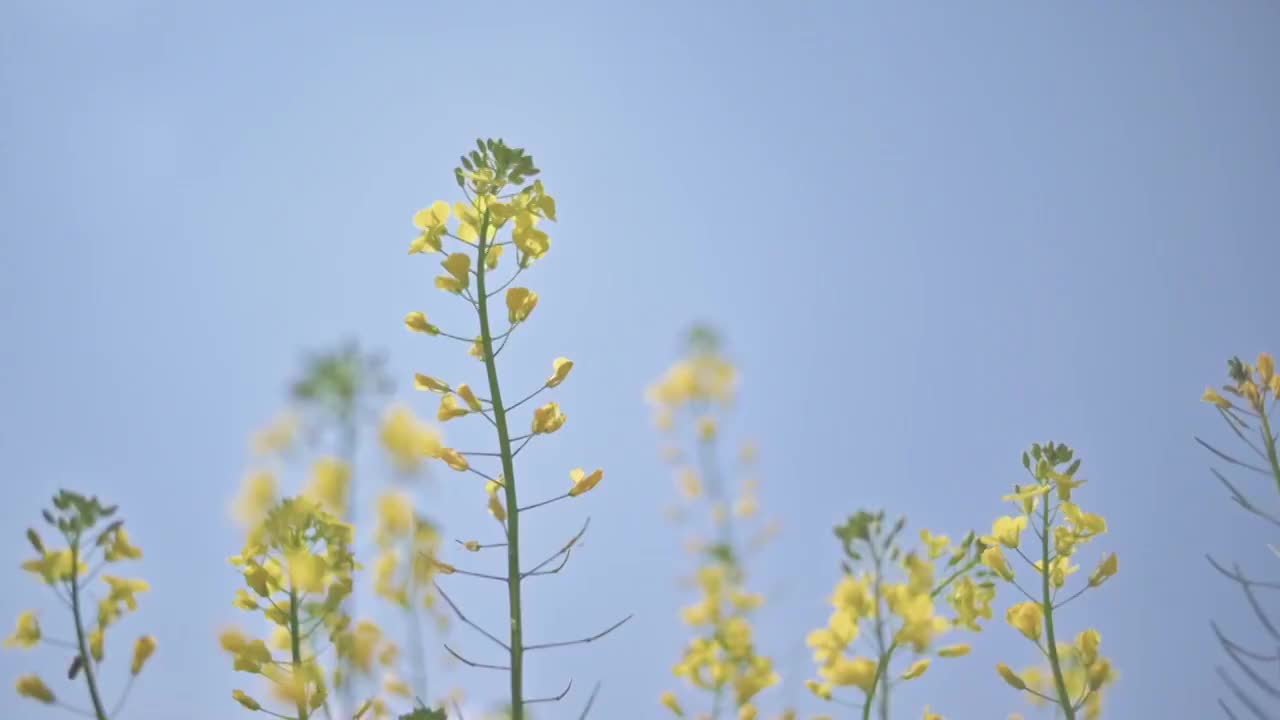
x: 91, y: 541
x: 722, y: 660
x: 493, y: 178
x: 888, y: 596
x: 1247, y: 407
x: 297, y: 567
x: 335, y: 400
x: 1077, y: 672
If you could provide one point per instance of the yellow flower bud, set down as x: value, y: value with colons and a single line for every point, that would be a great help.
x: 1011, y: 677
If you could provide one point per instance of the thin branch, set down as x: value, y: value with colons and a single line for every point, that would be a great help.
x: 526, y: 442
x: 1230, y: 459
x: 472, y: 663
x: 544, y: 502
x: 123, y: 696
x: 553, y: 698
x: 527, y: 398
x: 1074, y: 595
x: 583, y: 641
x: 1227, y: 710
x: 565, y: 550
x: 504, y: 285
x: 591, y: 700
x: 467, y: 621
x: 1243, y: 501
x: 1235, y: 652
x: 459, y: 571
x: 486, y: 477
x: 72, y: 709
x: 1240, y: 694
x: 484, y: 546
x: 1246, y: 440
x: 1240, y: 578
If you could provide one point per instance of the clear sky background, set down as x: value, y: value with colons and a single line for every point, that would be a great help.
x: 930, y: 234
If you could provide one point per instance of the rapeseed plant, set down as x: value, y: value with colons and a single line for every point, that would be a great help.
x: 722, y: 660
x: 1248, y: 411
x: 1077, y: 672
x: 297, y: 565
x: 332, y: 401
x: 895, y: 611
x: 493, y: 178
x: 69, y: 571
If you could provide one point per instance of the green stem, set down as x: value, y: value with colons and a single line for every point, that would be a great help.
x: 716, y: 494
x: 1270, y: 442
x: 296, y: 639
x: 1064, y: 698
x: 881, y: 679
x: 347, y: 453
x: 86, y: 660
x: 508, y: 478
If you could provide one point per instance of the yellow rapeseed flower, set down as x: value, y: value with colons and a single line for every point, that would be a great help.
x: 28, y: 633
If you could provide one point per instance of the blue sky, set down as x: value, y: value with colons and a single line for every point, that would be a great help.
x: 931, y: 235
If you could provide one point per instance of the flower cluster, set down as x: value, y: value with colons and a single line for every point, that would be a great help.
x: 69, y: 570
x: 889, y: 597
x: 1077, y: 671
x: 493, y: 177
x: 721, y: 659
x: 1247, y: 408
x: 297, y: 569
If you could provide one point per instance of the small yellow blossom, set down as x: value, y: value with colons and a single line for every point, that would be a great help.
x: 469, y: 397
x: 1107, y: 568
x: 1010, y: 677
x: 28, y: 633
x: 449, y: 409
x: 520, y: 303
x: 417, y: 322
x: 560, y: 368
x: 31, y: 686
x: 583, y: 482
x: 142, y: 651
x: 458, y: 265
x: 548, y: 419
x: 669, y: 702
x: 428, y: 383
x: 248, y: 702
x: 917, y: 669
x: 1027, y: 618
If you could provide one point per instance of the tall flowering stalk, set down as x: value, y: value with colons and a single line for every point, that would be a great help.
x: 493, y: 178
x: 93, y: 541
x: 1077, y: 673
x: 297, y: 567
x: 887, y: 598
x: 332, y: 404
x: 722, y: 660
x: 1247, y: 404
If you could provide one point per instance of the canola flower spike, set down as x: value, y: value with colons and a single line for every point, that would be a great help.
x: 882, y: 611
x: 1247, y: 404
x: 86, y: 525
x: 722, y: 659
x: 1062, y: 528
x: 494, y: 178
x: 299, y: 561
